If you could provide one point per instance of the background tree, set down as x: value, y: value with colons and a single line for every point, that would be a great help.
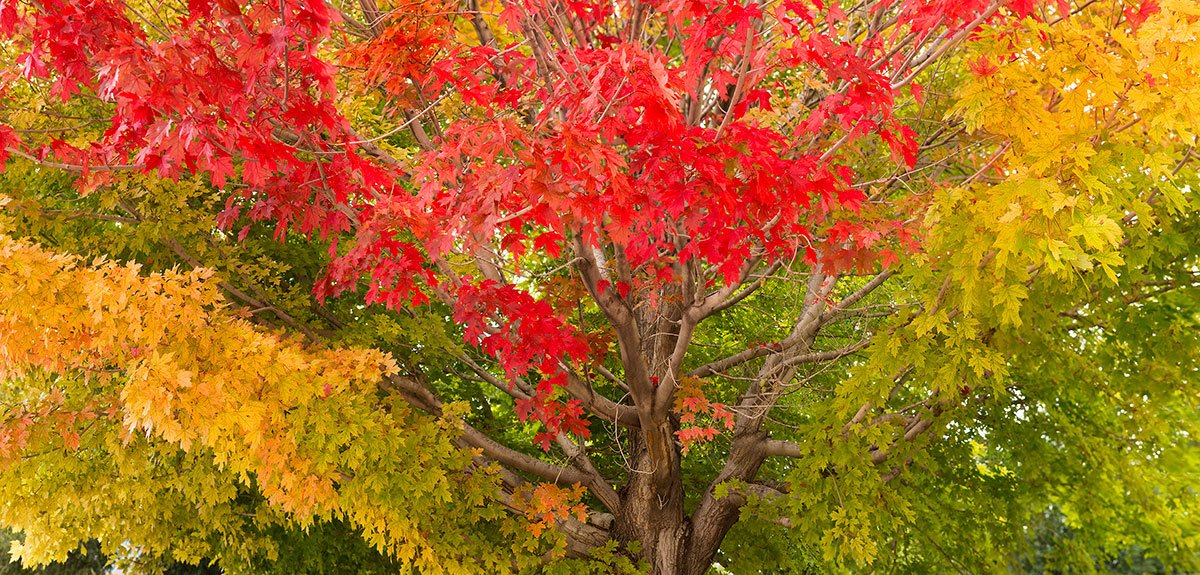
x: 1052, y: 550
x: 647, y: 284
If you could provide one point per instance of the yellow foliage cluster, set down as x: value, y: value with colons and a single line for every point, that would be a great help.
x: 179, y: 367
x: 151, y: 406
x: 1081, y: 125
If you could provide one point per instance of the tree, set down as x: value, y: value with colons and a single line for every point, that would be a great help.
x: 1052, y: 547
x: 632, y: 285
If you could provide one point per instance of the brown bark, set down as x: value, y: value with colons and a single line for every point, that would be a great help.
x: 673, y: 541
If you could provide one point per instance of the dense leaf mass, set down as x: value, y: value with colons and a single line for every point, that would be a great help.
x: 534, y: 286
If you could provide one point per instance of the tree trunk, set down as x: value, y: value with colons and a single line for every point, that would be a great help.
x: 653, y: 516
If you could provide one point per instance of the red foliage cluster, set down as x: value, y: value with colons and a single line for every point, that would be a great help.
x: 600, y: 146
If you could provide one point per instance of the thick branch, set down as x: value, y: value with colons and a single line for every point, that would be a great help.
x: 597, y: 403
x: 629, y: 339
x: 579, y: 458
x: 424, y: 399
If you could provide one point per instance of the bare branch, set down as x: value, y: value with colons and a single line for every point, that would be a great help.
x: 70, y: 167
x: 858, y: 294
x: 721, y: 300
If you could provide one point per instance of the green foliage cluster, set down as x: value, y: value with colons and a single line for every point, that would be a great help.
x: 1053, y: 551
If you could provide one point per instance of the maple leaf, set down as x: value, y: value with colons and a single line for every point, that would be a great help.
x: 983, y: 66
x: 544, y: 439
x: 1143, y: 11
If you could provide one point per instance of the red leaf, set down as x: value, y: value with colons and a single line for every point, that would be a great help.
x: 550, y: 243
x: 1145, y: 10
x: 543, y: 439
x: 230, y: 7
x: 918, y: 92
x: 982, y: 66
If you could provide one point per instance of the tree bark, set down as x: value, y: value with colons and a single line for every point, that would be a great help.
x: 653, y: 515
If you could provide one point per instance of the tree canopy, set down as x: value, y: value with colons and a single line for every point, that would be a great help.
x: 594, y: 286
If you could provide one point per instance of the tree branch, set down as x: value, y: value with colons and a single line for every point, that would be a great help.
x: 424, y: 399
x: 597, y: 403
x: 857, y: 295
